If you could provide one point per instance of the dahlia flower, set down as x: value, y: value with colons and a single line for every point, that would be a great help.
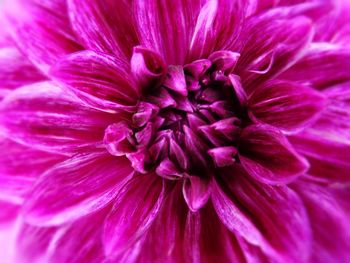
x: 176, y: 131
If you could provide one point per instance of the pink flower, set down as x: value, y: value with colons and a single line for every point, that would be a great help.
x: 176, y: 131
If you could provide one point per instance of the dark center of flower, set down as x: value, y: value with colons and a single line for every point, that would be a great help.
x: 187, y: 122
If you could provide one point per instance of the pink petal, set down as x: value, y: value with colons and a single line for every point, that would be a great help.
x: 59, y: 244
x: 326, y: 144
x: 323, y: 66
x: 100, y: 80
x: 218, y: 25
x: 33, y: 242
x: 196, y: 191
x: 279, y: 213
x: 286, y: 105
x: 20, y: 166
x: 268, y: 156
x: 147, y: 66
x: 106, y: 26
x: 36, y: 23
x: 77, y: 187
x: 16, y: 70
x: 208, y: 240
x: 167, y: 226
x: 234, y: 219
x: 45, y: 117
x: 8, y: 213
x: 281, y: 43
x: 136, y: 206
x: 223, y: 156
x: 166, y: 27
x: 330, y: 220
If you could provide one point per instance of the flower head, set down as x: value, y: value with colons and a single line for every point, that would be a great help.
x: 177, y: 131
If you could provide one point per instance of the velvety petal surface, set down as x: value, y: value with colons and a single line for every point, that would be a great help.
x: 106, y: 26
x: 286, y: 105
x: 46, y: 117
x: 268, y: 157
x: 101, y: 80
x: 136, y: 206
x: 77, y: 187
x: 32, y: 22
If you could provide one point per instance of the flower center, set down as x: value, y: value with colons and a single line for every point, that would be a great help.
x: 188, y: 122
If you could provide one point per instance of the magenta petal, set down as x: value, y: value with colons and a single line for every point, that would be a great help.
x: 207, y: 240
x: 35, y: 22
x: 286, y: 105
x: 166, y: 27
x: 218, y: 24
x: 330, y: 219
x: 100, y: 80
x: 16, y: 70
x: 20, y: 166
x: 223, y: 156
x: 105, y: 26
x: 268, y: 156
x: 323, y: 66
x: 278, y: 211
x: 77, y: 187
x: 147, y: 66
x: 8, y: 213
x: 58, y: 244
x: 326, y: 144
x: 196, y: 192
x: 234, y: 219
x: 43, y: 116
x: 136, y: 206
x: 281, y: 43
x: 167, y: 226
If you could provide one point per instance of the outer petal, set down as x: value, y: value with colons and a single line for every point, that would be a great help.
x: 101, y: 80
x: 208, y: 240
x: 327, y: 143
x: 45, y: 117
x: 42, y: 30
x: 218, y: 25
x: 285, y: 105
x: 105, y: 26
x: 15, y: 70
x: 166, y: 26
x: 8, y: 214
x: 282, y: 41
x: 323, y: 66
x: 76, y: 187
x: 268, y: 156
x: 166, y: 231
x: 137, y: 204
x: 60, y: 244
x: 20, y: 166
x: 330, y: 227
x: 279, y: 213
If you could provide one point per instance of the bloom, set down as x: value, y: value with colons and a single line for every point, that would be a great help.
x: 180, y: 131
